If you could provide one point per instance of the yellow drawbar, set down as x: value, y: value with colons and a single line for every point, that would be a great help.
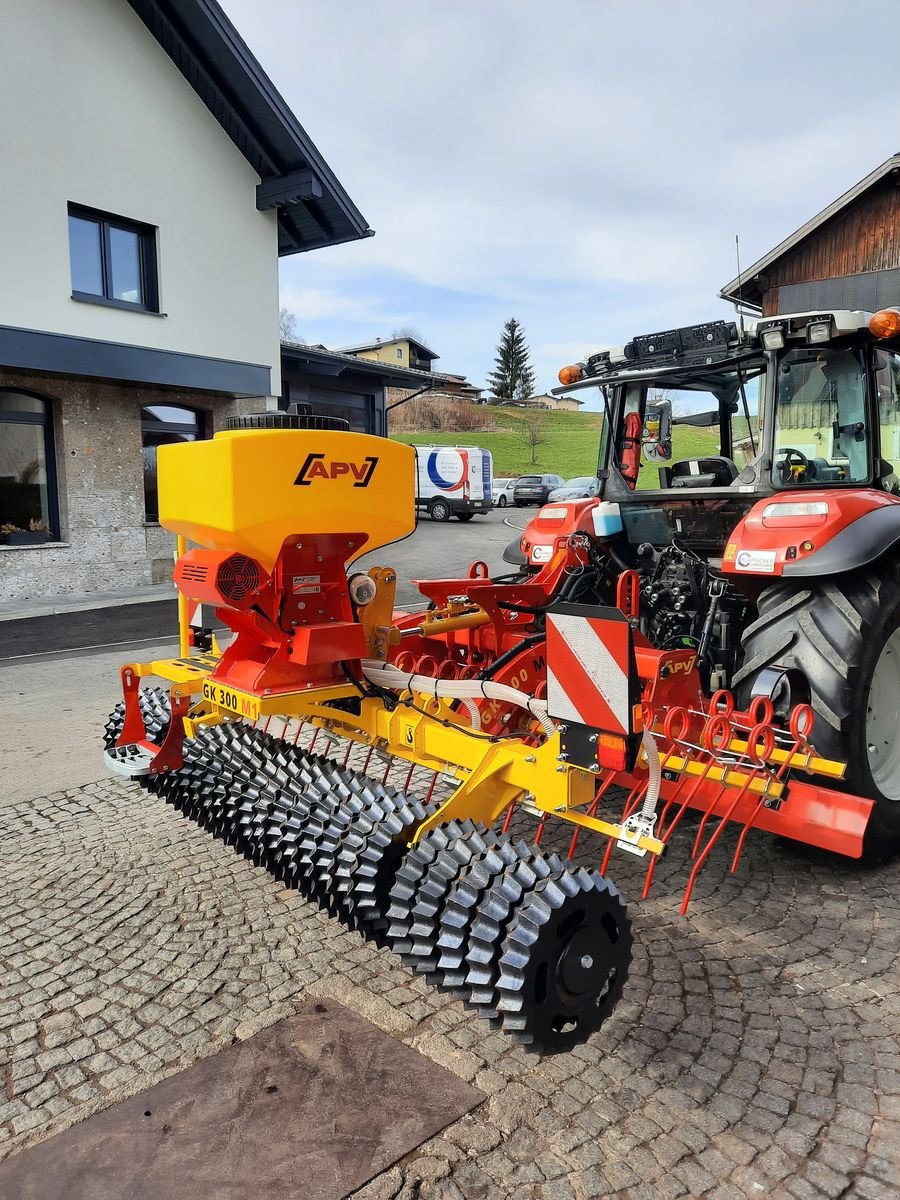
x: 248, y: 490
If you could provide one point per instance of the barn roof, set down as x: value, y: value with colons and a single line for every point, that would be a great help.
x: 747, y: 289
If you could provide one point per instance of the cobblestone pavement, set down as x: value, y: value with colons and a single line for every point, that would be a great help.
x: 755, y: 1051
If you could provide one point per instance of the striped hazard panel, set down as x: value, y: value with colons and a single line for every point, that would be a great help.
x: 591, y: 674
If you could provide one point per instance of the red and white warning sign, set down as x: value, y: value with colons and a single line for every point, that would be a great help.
x: 591, y: 675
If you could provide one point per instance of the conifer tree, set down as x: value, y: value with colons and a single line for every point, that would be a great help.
x: 513, y: 376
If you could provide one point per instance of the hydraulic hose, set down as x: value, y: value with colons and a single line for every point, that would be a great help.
x: 648, y: 745
x: 508, y: 655
x: 385, y: 675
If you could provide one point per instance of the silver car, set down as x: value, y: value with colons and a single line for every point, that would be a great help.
x: 583, y: 487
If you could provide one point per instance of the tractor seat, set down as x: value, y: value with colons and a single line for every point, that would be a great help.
x: 715, y: 471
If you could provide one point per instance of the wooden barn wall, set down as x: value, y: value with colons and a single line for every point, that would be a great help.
x: 864, y: 237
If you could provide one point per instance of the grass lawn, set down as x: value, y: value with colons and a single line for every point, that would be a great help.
x: 571, y: 447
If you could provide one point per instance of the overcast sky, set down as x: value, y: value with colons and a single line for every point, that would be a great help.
x: 583, y: 166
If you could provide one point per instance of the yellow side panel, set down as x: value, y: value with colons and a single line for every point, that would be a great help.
x: 248, y: 490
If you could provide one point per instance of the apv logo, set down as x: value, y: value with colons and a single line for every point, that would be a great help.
x: 316, y: 467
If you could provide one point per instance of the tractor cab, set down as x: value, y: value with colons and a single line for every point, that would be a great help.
x: 701, y: 422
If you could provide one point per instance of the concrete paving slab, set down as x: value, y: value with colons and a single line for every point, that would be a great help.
x: 315, y: 1106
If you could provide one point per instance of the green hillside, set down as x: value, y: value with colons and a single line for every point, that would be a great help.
x: 571, y: 447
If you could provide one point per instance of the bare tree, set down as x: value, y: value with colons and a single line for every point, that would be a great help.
x: 534, y: 432
x: 408, y: 331
x: 288, y: 325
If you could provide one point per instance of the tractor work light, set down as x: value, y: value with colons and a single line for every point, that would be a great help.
x: 773, y: 339
x: 819, y: 331
x: 885, y: 323
x: 571, y: 374
x: 799, y: 508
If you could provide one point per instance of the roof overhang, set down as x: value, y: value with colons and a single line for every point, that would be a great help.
x: 334, y: 363
x: 313, y: 208
x: 745, y: 289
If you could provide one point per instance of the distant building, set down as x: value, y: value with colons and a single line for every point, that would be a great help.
x: 342, y: 385
x: 398, y: 352
x: 552, y: 403
x: 846, y: 256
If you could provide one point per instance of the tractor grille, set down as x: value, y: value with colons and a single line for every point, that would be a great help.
x: 238, y: 576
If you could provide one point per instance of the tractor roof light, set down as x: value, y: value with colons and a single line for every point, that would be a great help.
x: 571, y: 374
x: 773, y: 338
x: 819, y: 331
x: 885, y: 323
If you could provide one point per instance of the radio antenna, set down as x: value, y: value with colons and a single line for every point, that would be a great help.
x: 740, y: 286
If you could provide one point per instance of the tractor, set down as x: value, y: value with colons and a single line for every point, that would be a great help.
x: 678, y: 656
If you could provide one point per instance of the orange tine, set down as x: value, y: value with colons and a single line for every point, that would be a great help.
x: 760, y: 735
x: 707, y: 849
x: 801, y: 745
x: 637, y: 795
x: 716, y: 735
x: 664, y: 836
x: 592, y: 810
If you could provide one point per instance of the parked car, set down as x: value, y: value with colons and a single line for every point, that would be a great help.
x: 583, y: 487
x: 535, y: 489
x: 502, y: 492
x: 453, y: 481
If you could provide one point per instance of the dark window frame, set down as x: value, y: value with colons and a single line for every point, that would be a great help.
x: 146, y: 235
x: 199, y: 428
x: 45, y: 420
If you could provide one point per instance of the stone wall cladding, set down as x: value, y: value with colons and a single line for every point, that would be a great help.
x: 97, y: 433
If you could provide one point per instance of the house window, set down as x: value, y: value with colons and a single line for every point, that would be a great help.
x: 162, y: 425
x: 399, y: 351
x: 27, y: 481
x: 113, y: 261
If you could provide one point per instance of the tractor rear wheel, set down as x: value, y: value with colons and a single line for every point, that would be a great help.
x: 836, y: 643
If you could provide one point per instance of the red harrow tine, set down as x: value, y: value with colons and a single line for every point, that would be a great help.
x: 636, y: 797
x: 801, y: 723
x: 591, y: 812
x: 300, y: 728
x: 690, y: 787
x: 760, y: 744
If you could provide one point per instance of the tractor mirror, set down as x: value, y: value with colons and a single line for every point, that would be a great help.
x: 656, y: 436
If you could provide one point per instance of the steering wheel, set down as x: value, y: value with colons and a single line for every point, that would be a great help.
x: 787, y: 457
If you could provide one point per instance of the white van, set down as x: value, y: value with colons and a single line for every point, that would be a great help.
x: 453, y: 481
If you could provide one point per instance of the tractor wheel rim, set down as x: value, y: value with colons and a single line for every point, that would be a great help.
x: 882, y: 742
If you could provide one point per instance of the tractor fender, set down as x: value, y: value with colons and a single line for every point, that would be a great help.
x: 857, y: 545
x: 814, y: 533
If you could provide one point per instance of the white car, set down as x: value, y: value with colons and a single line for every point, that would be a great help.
x: 502, y: 492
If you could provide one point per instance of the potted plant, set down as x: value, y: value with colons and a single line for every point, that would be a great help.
x: 13, y: 535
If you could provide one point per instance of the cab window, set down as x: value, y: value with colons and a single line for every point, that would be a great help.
x: 821, y: 435
x: 690, y: 437
x: 887, y: 385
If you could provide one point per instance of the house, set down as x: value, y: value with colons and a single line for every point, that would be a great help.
x: 544, y: 401
x: 342, y: 385
x: 152, y: 178
x: 399, y: 351
x: 846, y: 256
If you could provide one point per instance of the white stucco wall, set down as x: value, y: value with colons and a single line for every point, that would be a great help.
x: 93, y: 112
